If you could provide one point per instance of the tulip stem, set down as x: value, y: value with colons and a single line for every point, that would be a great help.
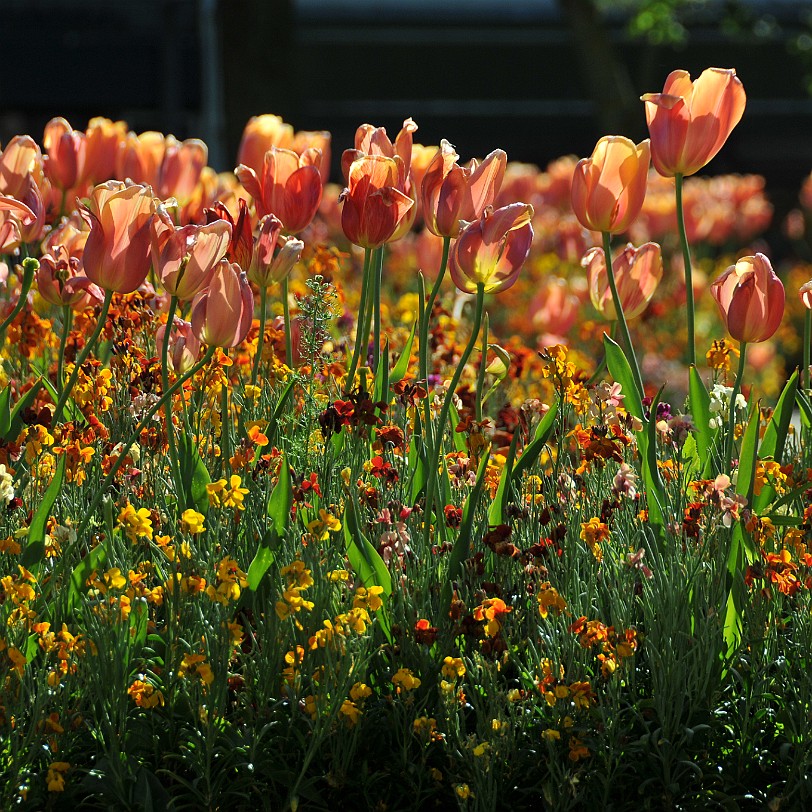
x: 807, y: 340
x: 30, y: 266
x: 686, y: 261
x: 437, y: 442
x: 361, y: 320
x: 125, y: 449
x: 480, y: 378
x: 731, y: 419
x: 67, y: 322
x: 621, y: 318
x: 86, y: 350
x: 174, y: 465
x: 376, y: 303
x: 425, y: 324
x: 286, y: 312
x: 263, y: 302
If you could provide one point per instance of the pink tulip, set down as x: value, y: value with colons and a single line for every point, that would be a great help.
x: 184, y: 346
x: 260, y: 134
x: 66, y: 148
x: 491, y: 251
x: 61, y: 282
x: 222, y: 313
x: 274, y: 255
x: 750, y: 298
x: 638, y: 272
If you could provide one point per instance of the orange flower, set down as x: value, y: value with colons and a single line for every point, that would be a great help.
x: 260, y: 134
x: 609, y: 187
x: 689, y: 122
x: 288, y: 186
x: 222, y: 313
x: 638, y: 271
x: 269, y: 266
x: 66, y: 147
x: 117, y: 251
x: 750, y: 298
x: 450, y: 193
x: 102, y: 140
x: 374, y: 205
x: 492, y: 250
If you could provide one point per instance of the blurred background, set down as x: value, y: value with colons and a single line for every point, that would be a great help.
x: 538, y: 78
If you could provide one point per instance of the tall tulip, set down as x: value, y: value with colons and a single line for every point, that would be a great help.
x: 102, y: 139
x: 260, y: 134
x: 288, y: 186
x: 689, y: 122
x: 66, y: 148
x: 222, y: 313
x: 609, y: 187
x: 638, y: 272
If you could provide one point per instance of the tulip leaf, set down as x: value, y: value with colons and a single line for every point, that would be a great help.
x: 621, y: 371
x: 400, y: 369
x: 86, y: 567
x: 34, y: 551
x: 16, y: 420
x: 533, y: 449
x: 462, y: 545
x: 775, y: 435
x: 699, y: 405
x: 279, y: 408
x: 805, y: 408
x: 5, y: 412
x: 194, y: 476
x: 459, y: 438
x: 496, y: 512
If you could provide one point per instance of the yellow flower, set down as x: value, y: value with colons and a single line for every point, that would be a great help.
x: 368, y: 598
x: 463, y: 791
x: 56, y: 776
x: 192, y: 521
x: 145, y: 695
x: 136, y: 523
x: 114, y: 579
x: 404, y: 678
x: 593, y: 532
x: 453, y: 668
x: 350, y: 711
x: 233, y: 497
x: 322, y: 527
x: 551, y: 735
x: 360, y: 691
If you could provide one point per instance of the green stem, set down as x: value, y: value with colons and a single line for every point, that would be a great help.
x: 731, y: 418
x: 621, y: 318
x: 480, y: 378
x: 30, y: 267
x: 67, y: 322
x: 286, y: 312
x: 86, y: 350
x: 359, y: 324
x: 225, y: 425
x: 376, y: 304
x: 174, y: 465
x: 263, y: 301
x: 686, y: 260
x: 108, y: 480
x: 807, y: 340
x: 437, y: 444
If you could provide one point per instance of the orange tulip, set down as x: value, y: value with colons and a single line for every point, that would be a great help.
x: 222, y: 313
x: 139, y: 157
x: 242, y: 231
x: 102, y: 140
x: 66, y: 148
x: 689, y: 122
x: 184, y: 258
x: 492, y: 250
x: 22, y: 219
x: 60, y: 281
x: 320, y: 140
x: 374, y: 205
x: 260, y: 134
x: 288, y: 186
x: 117, y: 252
x: 21, y: 164
x: 181, y: 168
x: 638, y: 272
x: 450, y: 193
x: 184, y: 346
x: 608, y: 188
x: 750, y: 298
x: 269, y: 265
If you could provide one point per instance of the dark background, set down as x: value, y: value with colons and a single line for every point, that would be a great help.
x: 538, y: 78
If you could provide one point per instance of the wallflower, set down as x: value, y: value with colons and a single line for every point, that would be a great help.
x: 227, y: 494
x: 593, y: 532
x: 322, y: 527
x: 490, y: 612
x: 145, y: 694
x: 404, y: 679
x: 56, y: 776
x: 136, y: 523
x: 196, y: 665
x: 192, y: 521
x: 453, y: 668
x: 548, y: 598
x: 368, y: 598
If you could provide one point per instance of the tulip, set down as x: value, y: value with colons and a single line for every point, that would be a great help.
x: 260, y: 134
x: 61, y: 282
x: 180, y: 169
x: 638, y: 271
x: 288, y: 186
x: 491, y: 251
x: 608, y: 188
x: 22, y: 219
x: 450, y: 193
x: 689, y: 122
x: 269, y: 265
x: 222, y: 313
x: 117, y: 252
x: 241, y: 246
x: 374, y: 205
x: 102, y: 140
x: 185, y: 258
x: 184, y: 346
x: 20, y: 164
x: 750, y: 298
x: 320, y: 140
x: 140, y: 156
x: 554, y: 310
x: 66, y: 148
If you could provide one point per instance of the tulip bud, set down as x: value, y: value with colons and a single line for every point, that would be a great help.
x: 65, y: 161
x: 222, y: 313
x: 750, y: 298
x: 689, y: 122
x: 61, y: 283
x: 492, y: 250
x: 269, y: 266
x: 608, y: 188
x: 637, y: 271
x: 260, y: 134
x: 102, y: 139
x: 184, y: 346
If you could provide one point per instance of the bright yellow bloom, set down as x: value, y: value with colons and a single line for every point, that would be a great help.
x: 192, y: 521
x: 322, y: 527
x: 404, y: 678
x: 145, y: 695
x: 56, y: 776
x: 368, y: 598
x: 453, y: 668
x: 136, y: 523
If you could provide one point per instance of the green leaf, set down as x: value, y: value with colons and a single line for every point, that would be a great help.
x: 402, y: 367
x: 458, y: 436
x: 381, y: 386
x: 775, y: 435
x: 5, y: 412
x: 805, y: 408
x: 417, y: 465
x: 699, y: 405
x: 534, y: 448
x: 92, y: 561
x: 496, y: 512
x: 279, y: 408
x: 621, y: 372
x: 194, y: 476
x: 367, y: 563
x: 462, y: 545
x: 34, y: 550
x: 655, y: 492
x: 16, y: 420
x: 732, y: 629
